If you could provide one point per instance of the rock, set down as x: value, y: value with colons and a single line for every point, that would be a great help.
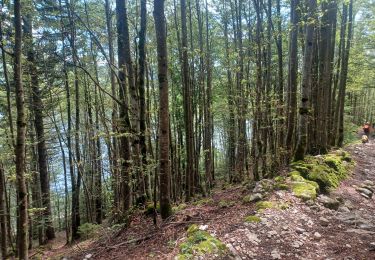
x: 344, y: 209
x: 203, y: 227
x: 370, y: 188
x: 271, y: 233
x: 323, y: 221
x: 256, y: 197
x: 369, y: 183
x: 275, y: 254
x: 253, y: 238
x: 329, y: 202
x: 88, y: 256
x: 365, y: 196
x: 348, y: 246
x: 359, y: 231
x: 300, y: 230
x: 317, y: 235
x: 364, y: 191
x: 372, y: 246
x: 297, y: 244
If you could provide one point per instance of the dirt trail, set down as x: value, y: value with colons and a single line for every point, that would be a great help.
x: 298, y: 231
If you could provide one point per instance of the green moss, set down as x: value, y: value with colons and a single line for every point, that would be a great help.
x: 226, y: 204
x: 279, y: 179
x: 246, y: 199
x: 281, y: 186
x: 296, y: 176
x: 325, y: 177
x: 203, y: 202
x: 253, y: 219
x: 200, y: 243
x: 283, y: 206
x: 179, y: 207
x: 261, y: 205
x: 304, y: 190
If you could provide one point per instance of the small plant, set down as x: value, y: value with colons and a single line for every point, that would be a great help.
x: 88, y: 229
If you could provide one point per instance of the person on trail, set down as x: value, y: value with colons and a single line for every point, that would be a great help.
x: 366, y: 129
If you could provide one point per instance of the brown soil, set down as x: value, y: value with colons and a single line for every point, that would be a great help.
x: 301, y: 231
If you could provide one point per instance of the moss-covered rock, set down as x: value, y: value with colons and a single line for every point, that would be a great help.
x: 253, y: 219
x: 200, y: 243
x: 327, y: 171
x: 281, y: 186
x: 261, y: 205
x: 304, y: 190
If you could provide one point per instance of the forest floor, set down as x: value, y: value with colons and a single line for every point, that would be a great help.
x: 298, y: 230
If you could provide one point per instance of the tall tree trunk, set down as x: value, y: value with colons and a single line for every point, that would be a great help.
x: 188, y: 119
x: 304, y: 110
x: 344, y: 76
x: 161, y: 39
x: 292, y: 75
x: 142, y: 98
x: 113, y: 149
x: 21, y: 135
x: 124, y: 121
x: 37, y: 106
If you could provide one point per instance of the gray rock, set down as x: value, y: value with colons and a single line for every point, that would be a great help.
x: 371, y: 188
x: 323, y: 221
x: 364, y: 191
x: 369, y: 183
x: 364, y: 195
x: 317, y: 235
x: 344, y: 209
x: 300, y: 230
x: 256, y: 197
x: 275, y: 254
x: 329, y: 202
x: 372, y: 246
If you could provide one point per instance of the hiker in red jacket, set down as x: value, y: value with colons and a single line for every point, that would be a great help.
x: 366, y: 129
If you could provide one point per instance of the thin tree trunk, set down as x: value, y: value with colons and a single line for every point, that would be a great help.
x: 3, y: 228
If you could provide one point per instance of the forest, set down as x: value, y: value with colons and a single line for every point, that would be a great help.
x: 112, y: 107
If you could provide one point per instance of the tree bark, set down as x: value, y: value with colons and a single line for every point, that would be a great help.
x: 124, y: 121
x: 305, y: 106
x: 37, y: 106
x: 164, y: 170
x: 22, y: 231
x: 292, y: 75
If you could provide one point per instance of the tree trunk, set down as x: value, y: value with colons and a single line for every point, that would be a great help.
x: 3, y: 228
x: 188, y: 119
x: 161, y: 39
x: 344, y: 76
x: 142, y: 99
x: 37, y: 107
x: 21, y: 134
x: 293, y: 75
x: 124, y: 121
x: 305, y: 106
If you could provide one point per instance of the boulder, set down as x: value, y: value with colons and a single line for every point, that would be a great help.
x: 329, y: 202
